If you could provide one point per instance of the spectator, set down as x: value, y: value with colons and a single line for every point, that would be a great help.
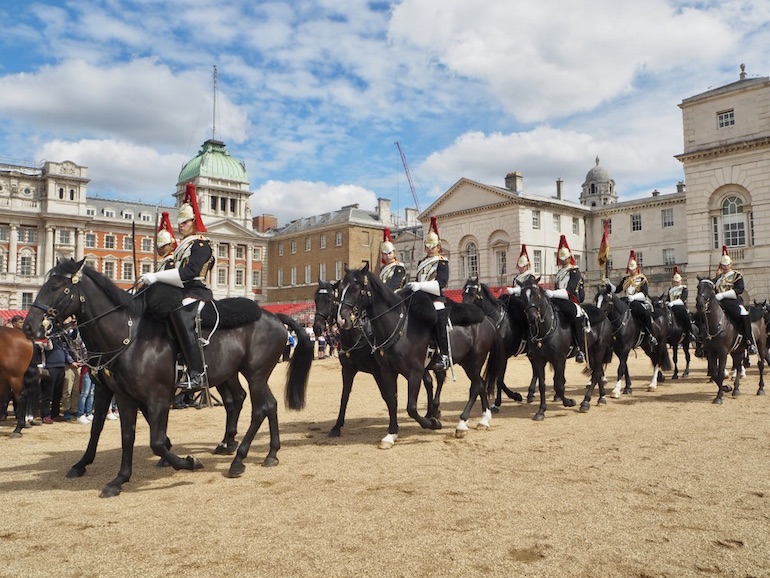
x: 73, y: 352
x: 52, y: 384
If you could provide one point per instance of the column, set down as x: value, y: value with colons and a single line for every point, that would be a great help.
x: 14, y: 249
x: 49, y: 249
x: 249, y: 274
x: 80, y: 244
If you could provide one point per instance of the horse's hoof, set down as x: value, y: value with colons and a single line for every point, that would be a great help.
x: 495, y: 409
x: 75, y: 472
x: 335, y: 433
x: 602, y: 401
x: 194, y: 463
x: 14, y: 435
x: 460, y: 434
x: 388, y: 441
x: 627, y: 391
x: 236, y: 470
x: 685, y: 375
x: 538, y: 417
x: 760, y: 391
x: 530, y: 398
x: 651, y: 388
x: 585, y: 406
x: 163, y: 463
x: 736, y: 392
x: 517, y: 396
x: 435, y: 424
x: 109, y: 492
x: 569, y: 402
x: 225, y: 450
x: 615, y: 395
x: 675, y: 376
x: 717, y: 401
x: 270, y: 462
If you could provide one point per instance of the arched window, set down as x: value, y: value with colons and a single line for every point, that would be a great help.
x: 733, y: 222
x: 471, y: 260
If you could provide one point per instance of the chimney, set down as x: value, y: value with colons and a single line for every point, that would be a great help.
x: 559, y: 184
x: 383, y: 210
x: 264, y: 223
x: 411, y: 217
x: 680, y: 187
x: 514, y: 182
x: 655, y: 193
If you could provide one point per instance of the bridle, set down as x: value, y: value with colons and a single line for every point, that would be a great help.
x: 621, y: 320
x: 539, y: 320
x: 477, y: 292
x: 706, y: 303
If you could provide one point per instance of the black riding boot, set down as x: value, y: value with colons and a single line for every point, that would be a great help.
x: 648, y: 328
x: 748, y: 334
x: 441, y: 360
x: 577, y: 329
x: 183, y: 322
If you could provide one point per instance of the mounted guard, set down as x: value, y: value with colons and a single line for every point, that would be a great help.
x: 637, y: 294
x: 568, y: 294
x: 392, y: 272
x: 676, y: 299
x: 522, y: 265
x: 729, y: 286
x: 165, y: 243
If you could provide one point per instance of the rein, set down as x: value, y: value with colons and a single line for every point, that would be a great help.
x: 534, y: 330
x: 707, y: 309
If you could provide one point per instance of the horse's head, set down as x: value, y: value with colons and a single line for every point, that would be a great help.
x: 355, y: 296
x: 472, y: 290
x: 534, y: 300
x: 327, y: 299
x: 58, y: 299
x: 706, y: 294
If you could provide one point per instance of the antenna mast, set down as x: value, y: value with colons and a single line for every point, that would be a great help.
x: 409, y: 177
x: 214, y: 113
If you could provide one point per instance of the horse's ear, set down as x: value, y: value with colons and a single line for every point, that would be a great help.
x: 365, y: 268
x: 699, y: 278
x: 537, y: 280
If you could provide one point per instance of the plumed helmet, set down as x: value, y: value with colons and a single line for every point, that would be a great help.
x: 564, y: 253
x: 189, y: 209
x: 432, y: 239
x: 165, y: 231
x: 725, y: 260
x: 523, y: 261
x: 387, y: 243
x: 677, y: 278
x: 164, y: 238
x: 632, y: 264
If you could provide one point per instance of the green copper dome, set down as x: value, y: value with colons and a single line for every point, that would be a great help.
x: 215, y: 162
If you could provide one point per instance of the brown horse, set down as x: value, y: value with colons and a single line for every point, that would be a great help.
x: 14, y: 364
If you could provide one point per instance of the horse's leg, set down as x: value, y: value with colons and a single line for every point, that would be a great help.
x: 762, y: 349
x: 20, y: 406
x: 654, y: 382
x: 233, y: 396
x: 502, y: 388
x: 388, y: 384
x: 102, y: 399
x: 477, y: 390
x: 539, y: 369
x: 434, y: 410
x: 559, y: 382
x: 719, y: 375
x: 348, y: 373
x: 263, y: 405
x: 622, y: 371
x: 597, y: 377
x: 675, y: 347
x: 532, y: 383
x: 128, y: 412
x: 686, y: 350
x: 414, y: 382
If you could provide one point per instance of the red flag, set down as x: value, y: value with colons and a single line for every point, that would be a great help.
x: 604, y: 247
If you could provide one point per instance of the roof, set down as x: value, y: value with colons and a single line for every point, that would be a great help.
x: 349, y: 214
x: 214, y: 161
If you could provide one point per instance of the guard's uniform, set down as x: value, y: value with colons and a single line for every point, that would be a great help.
x: 636, y: 292
x: 393, y: 275
x: 194, y: 258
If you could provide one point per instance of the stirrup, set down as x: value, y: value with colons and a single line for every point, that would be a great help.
x: 440, y: 362
x: 192, y: 382
x: 580, y: 356
x: 752, y: 349
x: 653, y: 341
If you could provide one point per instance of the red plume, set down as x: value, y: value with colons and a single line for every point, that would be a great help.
x: 191, y: 198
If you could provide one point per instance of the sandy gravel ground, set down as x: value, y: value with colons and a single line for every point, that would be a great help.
x: 661, y: 484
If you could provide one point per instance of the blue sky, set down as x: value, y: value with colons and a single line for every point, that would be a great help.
x: 312, y: 95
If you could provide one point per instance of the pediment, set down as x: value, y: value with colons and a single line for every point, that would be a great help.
x: 466, y: 195
x: 228, y: 228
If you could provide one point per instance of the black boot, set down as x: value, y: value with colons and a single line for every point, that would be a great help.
x: 577, y: 329
x: 648, y: 328
x: 183, y: 322
x: 748, y: 334
x: 441, y: 359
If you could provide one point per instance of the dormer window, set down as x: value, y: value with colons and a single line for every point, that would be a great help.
x: 726, y: 118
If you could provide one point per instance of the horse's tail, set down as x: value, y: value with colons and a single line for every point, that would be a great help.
x: 664, y: 357
x: 299, y: 364
x: 495, y: 363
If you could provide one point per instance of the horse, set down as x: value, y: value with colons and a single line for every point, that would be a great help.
x: 508, y: 316
x: 628, y: 335
x: 132, y: 357
x: 550, y: 341
x: 678, y: 335
x: 15, y: 373
x: 355, y: 356
x: 401, y: 337
x: 721, y: 337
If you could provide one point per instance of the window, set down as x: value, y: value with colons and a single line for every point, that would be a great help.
x: 256, y: 254
x: 222, y: 204
x: 240, y: 276
x: 502, y: 265
x: 640, y: 259
x: 537, y: 261
x: 280, y: 278
x: 109, y: 212
x: 293, y: 246
x: 240, y: 251
x: 577, y: 260
x: 146, y: 245
x: 222, y: 251
x: 109, y: 269
x: 636, y: 222
x: 72, y: 194
x: 91, y: 263
x: 322, y: 271
x: 609, y: 225
x: 61, y: 192
x: 293, y: 273
x: 213, y: 202
x: 232, y: 206
x: 557, y: 223
x: 308, y: 244
x: 733, y: 222
x: 128, y: 215
x: 256, y: 279
x: 668, y: 257
x: 145, y: 217
x: 667, y: 217
x: 280, y: 249
x: 338, y: 269
x: 338, y: 239
x: 575, y: 226
x: 471, y: 260
x: 609, y: 262
x: 322, y: 242
x: 2, y: 261
x: 90, y: 212
x: 26, y: 300
x: 64, y: 237
x: 128, y: 271
x: 146, y: 268
x: 307, y: 275
x: 715, y: 232
x: 26, y: 235
x: 221, y: 276
x: 25, y: 264
x: 109, y: 241
x: 4, y: 233
x: 90, y: 240
x: 128, y: 243
x: 535, y: 219
x: 726, y: 118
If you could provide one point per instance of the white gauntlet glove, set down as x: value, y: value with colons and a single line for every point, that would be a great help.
x: 148, y: 278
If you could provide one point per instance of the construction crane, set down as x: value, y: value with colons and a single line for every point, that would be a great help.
x: 409, y: 177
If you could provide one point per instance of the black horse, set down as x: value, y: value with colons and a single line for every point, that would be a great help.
x: 401, y: 337
x: 356, y: 355
x: 721, y: 337
x: 550, y: 341
x: 508, y: 316
x: 132, y: 357
x: 628, y: 335
x: 679, y: 335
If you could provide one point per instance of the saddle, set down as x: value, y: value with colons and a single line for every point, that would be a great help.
x: 228, y: 313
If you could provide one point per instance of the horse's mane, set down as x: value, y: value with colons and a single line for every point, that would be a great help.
x: 115, y: 293
x: 488, y: 293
